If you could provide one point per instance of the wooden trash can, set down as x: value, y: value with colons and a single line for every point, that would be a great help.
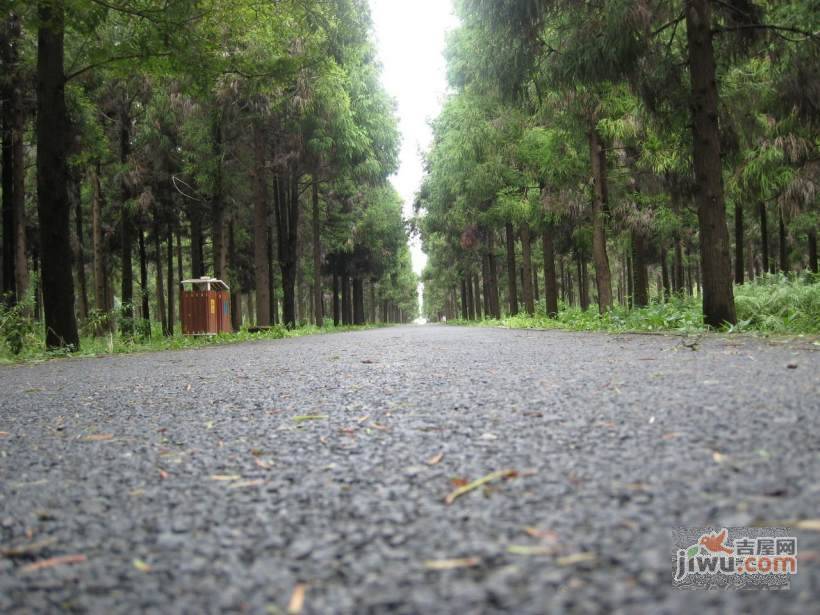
x: 205, y: 306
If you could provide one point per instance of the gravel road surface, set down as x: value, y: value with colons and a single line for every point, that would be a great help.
x: 310, y: 474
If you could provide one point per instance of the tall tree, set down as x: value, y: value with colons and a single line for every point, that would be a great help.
x: 52, y: 174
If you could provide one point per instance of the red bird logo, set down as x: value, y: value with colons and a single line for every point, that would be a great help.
x: 714, y: 542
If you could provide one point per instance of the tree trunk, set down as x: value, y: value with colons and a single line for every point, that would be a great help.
x: 260, y: 229
x: 286, y: 209
x: 9, y: 33
x: 485, y: 285
x: 220, y: 252
x: 171, y: 285
x: 180, y: 273
x: 784, y: 244
x: 813, y: 251
x: 526, y: 257
x: 375, y: 316
x: 477, y: 300
x: 679, y: 271
x: 512, y: 291
x: 236, y: 287
x: 535, y: 289
x: 640, y: 270
x: 126, y: 235
x: 18, y: 182
x: 146, y: 315
x: 667, y: 286
x: 163, y: 316
x: 274, y: 304
x: 100, y: 300
x: 471, y: 300
x: 15, y: 262
x: 764, y: 239
x: 630, y: 282
x: 464, y: 306
x: 76, y: 198
x: 739, y: 262
x: 718, y: 298
x: 493, y: 271
x: 337, y: 314
x: 550, y: 283
x: 347, y: 316
x: 603, y: 278
x: 750, y: 259
x: 358, y: 301
x: 52, y: 196
x: 317, y: 256
x: 197, y: 259
x: 583, y: 287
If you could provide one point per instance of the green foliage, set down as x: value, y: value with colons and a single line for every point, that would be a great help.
x: 17, y: 329
x: 779, y: 304
x: 772, y: 305
x: 31, y: 348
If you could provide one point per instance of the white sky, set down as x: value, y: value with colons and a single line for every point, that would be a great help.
x: 410, y: 37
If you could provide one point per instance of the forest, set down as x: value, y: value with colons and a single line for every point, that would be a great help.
x: 593, y: 157
x: 145, y: 142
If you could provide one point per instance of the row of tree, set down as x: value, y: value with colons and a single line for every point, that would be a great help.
x: 623, y: 135
x: 249, y: 141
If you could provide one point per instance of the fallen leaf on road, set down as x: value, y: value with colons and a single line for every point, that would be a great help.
x: 576, y: 558
x: 225, y: 477
x: 141, y: 565
x: 27, y: 549
x: 248, y: 483
x: 451, y: 497
x: 52, y: 562
x: 163, y: 474
x: 379, y: 427
x: 459, y: 482
x: 530, y: 550
x: 718, y: 457
x: 671, y: 435
x: 547, y: 535
x: 265, y: 465
x: 808, y: 524
x: 100, y: 437
x: 297, y: 599
x: 310, y: 417
x: 362, y: 419
x: 451, y: 564
x: 435, y: 459
x: 4, y: 434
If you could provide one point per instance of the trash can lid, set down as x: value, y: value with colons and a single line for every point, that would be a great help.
x: 219, y: 284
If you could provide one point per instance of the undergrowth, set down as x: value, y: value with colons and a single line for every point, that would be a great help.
x: 773, y: 304
x: 22, y: 340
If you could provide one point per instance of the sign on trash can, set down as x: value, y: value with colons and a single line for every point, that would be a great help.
x: 206, y: 306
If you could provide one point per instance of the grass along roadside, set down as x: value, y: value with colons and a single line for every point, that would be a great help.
x: 773, y: 305
x: 33, y: 351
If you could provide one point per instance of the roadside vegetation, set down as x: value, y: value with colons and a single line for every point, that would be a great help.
x: 147, y: 142
x: 608, y: 156
x: 772, y: 305
x: 22, y: 339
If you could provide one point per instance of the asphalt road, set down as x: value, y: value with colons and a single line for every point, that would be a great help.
x: 311, y: 473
